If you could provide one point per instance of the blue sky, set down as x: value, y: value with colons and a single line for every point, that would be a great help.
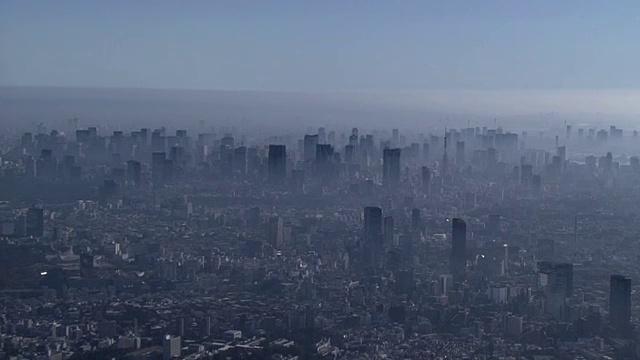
x: 322, y: 45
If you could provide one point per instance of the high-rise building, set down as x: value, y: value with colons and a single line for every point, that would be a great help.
x: 620, y: 304
x: 276, y: 232
x: 426, y: 179
x: 277, y: 166
x: 526, y: 175
x: 458, y: 258
x: 324, y: 161
x: 171, y: 347
x: 391, y: 167
x: 240, y: 161
x: 557, y: 280
x: 35, y: 222
x: 134, y: 172
x: 389, y: 230
x: 310, y: 142
x: 373, y: 235
x: 460, y: 158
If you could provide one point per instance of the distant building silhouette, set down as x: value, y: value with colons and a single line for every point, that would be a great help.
x: 277, y: 165
x: 620, y: 304
x: 458, y: 257
x: 391, y: 167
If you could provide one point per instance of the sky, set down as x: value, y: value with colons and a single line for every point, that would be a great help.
x: 330, y: 45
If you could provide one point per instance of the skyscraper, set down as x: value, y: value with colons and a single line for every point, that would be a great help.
x: 35, y: 222
x: 460, y: 158
x: 276, y: 232
x: 391, y: 167
x: 310, y: 142
x: 389, y: 230
x: 373, y: 226
x: 277, y: 166
x: 620, y: 303
x: 426, y: 179
x: 458, y: 258
x: 171, y: 347
x: 557, y: 279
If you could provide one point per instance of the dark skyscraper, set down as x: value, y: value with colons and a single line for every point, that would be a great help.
x: 310, y: 142
x: 277, y: 163
x: 35, y: 222
x: 134, y: 172
x: 458, y: 258
x: 391, y: 167
x: 460, y: 158
x: 373, y: 226
x: 620, y: 303
x: 389, y: 230
x: 426, y: 179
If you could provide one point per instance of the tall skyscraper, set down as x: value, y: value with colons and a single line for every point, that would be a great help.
x: 276, y: 232
x: 460, y: 158
x: 391, y: 167
x: 620, y: 304
x: 310, y: 142
x: 557, y: 279
x: 426, y: 179
x: 458, y: 258
x: 324, y: 161
x: 35, y: 222
x: 277, y: 166
x: 373, y: 226
x: 389, y: 230
x: 171, y: 347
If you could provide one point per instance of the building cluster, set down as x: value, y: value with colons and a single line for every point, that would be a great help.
x: 472, y: 243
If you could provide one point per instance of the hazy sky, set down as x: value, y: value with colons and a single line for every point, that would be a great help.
x: 322, y: 45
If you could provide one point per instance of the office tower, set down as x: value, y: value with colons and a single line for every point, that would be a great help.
x: 134, y: 172
x: 425, y: 153
x: 395, y: 137
x: 171, y: 346
x: 460, y: 153
x: 444, y: 168
x: 634, y: 164
x: 514, y: 325
x: 536, y: 181
x: 322, y: 136
x: 416, y: 220
x: 277, y: 166
x: 349, y: 154
x: 324, y: 161
x: 391, y: 167
x: 240, y: 161
x: 445, y: 283
x: 426, y: 179
x: 526, y: 175
x: 276, y: 232
x: 492, y: 159
x: 35, y: 222
x: 373, y: 226
x: 458, y: 258
x: 310, y: 142
x: 557, y: 280
x: 620, y: 304
x: 157, y: 163
x: 168, y: 170
x: 389, y: 230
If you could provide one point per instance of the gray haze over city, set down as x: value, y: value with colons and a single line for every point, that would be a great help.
x: 319, y: 180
